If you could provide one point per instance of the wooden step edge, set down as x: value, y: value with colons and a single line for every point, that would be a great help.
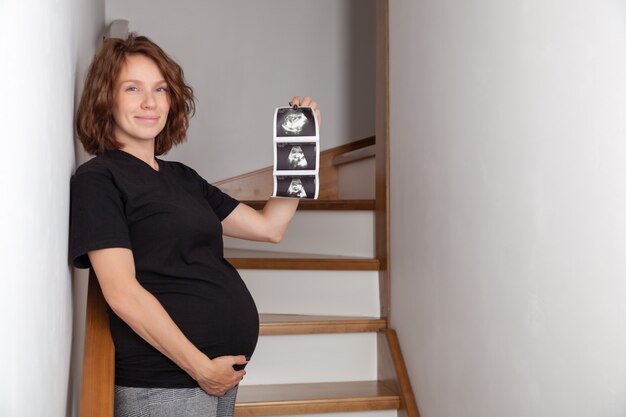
x: 347, y: 205
x: 335, y: 397
x: 317, y: 264
x: 311, y: 407
x: 284, y: 324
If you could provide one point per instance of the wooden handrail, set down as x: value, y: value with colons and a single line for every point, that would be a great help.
x: 349, y: 147
x: 354, y: 156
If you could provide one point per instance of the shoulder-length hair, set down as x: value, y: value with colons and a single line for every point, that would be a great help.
x: 94, y: 119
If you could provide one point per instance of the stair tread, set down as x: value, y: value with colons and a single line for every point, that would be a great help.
x: 258, y: 400
x: 351, y: 204
x: 275, y: 324
x: 257, y: 259
x: 307, y: 264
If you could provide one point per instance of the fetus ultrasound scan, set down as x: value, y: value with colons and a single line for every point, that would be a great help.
x: 296, y: 186
x: 295, y: 122
x: 296, y: 156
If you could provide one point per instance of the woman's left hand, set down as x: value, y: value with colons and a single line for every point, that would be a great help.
x: 307, y: 102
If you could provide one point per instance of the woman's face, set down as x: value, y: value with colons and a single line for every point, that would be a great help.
x: 141, y: 101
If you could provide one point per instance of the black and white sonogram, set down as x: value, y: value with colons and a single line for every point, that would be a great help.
x: 296, y: 186
x: 296, y: 156
x: 298, y: 122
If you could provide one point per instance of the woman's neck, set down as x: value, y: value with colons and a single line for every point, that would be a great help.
x: 143, y: 152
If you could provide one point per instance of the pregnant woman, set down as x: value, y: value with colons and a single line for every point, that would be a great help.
x: 182, y: 320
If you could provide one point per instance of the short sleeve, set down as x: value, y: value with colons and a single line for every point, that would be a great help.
x: 221, y: 203
x: 97, y: 217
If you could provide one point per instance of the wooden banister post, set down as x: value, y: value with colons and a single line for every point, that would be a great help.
x: 96, y: 399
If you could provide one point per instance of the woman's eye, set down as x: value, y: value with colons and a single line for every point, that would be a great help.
x: 162, y: 89
x: 132, y: 89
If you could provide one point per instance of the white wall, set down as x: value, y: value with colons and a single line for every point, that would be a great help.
x: 44, y: 47
x: 508, y: 170
x: 244, y: 58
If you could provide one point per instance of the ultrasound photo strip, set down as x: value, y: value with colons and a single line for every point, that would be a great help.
x: 296, y: 153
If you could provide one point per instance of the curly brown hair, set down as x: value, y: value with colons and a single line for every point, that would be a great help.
x: 94, y: 119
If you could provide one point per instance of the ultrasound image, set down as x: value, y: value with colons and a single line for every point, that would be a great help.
x: 298, y: 122
x: 296, y: 156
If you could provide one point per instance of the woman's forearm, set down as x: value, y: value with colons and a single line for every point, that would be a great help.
x: 267, y: 225
x: 279, y: 212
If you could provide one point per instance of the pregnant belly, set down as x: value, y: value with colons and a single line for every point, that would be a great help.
x: 218, y: 325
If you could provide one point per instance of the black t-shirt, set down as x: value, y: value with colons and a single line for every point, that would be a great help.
x: 171, y: 220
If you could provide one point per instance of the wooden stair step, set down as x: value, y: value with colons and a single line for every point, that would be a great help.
x: 326, y: 397
x: 257, y: 259
x: 276, y: 324
x: 322, y: 204
x: 348, y: 264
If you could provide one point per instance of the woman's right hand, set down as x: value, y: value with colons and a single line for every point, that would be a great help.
x: 218, y: 376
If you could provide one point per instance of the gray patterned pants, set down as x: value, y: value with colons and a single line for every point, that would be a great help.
x: 172, y: 402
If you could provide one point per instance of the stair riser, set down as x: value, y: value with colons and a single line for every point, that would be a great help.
x: 337, y: 233
x: 314, y: 292
x: 313, y: 358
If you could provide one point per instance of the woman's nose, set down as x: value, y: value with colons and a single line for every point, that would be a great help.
x: 148, y: 101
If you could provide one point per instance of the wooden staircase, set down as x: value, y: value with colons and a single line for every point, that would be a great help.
x: 389, y: 392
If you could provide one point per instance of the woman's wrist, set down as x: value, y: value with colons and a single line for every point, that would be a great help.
x: 198, y: 365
